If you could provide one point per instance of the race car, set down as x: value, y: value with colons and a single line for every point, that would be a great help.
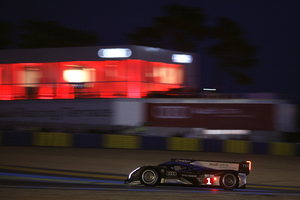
x: 228, y: 175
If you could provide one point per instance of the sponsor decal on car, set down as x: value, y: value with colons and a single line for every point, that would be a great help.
x: 201, y: 180
x: 218, y: 165
x: 188, y: 175
x: 171, y: 173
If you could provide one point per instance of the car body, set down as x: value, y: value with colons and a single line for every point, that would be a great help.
x: 229, y: 175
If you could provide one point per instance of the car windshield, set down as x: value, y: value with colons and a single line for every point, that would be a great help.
x: 176, y: 166
x: 180, y: 167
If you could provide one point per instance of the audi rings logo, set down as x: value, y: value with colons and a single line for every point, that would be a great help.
x: 171, y: 173
x: 179, y: 112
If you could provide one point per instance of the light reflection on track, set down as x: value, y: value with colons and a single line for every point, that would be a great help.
x: 22, y: 177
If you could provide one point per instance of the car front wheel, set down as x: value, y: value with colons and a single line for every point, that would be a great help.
x: 149, y: 177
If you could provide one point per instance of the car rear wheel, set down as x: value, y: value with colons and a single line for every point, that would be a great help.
x: 229, y: 181
x: 149, y: 177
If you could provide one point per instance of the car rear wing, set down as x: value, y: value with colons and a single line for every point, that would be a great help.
x: 241, y: 167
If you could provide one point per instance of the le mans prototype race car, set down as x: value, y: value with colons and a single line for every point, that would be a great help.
x: 228, y: 175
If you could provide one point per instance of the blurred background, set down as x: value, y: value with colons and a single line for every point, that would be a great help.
x: 221, y: 70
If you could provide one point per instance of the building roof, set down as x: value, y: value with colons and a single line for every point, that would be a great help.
x: 91, y: 53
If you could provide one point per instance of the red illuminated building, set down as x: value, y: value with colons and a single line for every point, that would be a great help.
x: 93, y: 72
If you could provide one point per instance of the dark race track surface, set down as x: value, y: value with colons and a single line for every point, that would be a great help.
x: 37, y: 178
x: 78, y: 173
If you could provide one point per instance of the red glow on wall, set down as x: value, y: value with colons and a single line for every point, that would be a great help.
x: 88, y: 79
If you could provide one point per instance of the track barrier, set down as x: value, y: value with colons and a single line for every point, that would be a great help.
x: 49, y: 139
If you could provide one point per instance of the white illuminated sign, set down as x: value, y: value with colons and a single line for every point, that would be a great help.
x: 209, y: 89
x: 114, y: 53
x: 182, y: 58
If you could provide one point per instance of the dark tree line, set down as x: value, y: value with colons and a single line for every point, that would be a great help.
x: 45, y: 34
x: 5, y: 32
x: 50, y: 34
x: 183, y: 29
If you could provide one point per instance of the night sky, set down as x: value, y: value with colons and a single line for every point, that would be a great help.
x: 271, y: 25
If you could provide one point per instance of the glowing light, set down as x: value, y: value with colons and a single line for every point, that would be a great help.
x: 46, y: 97
x: 73, y: 76
x: 182, y: 58
x: 209, y: 89
x: 115, y: 53
x: 111, y: 79
x: 250, y: 164
x: 225, y: 132
x: 79, y: 75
